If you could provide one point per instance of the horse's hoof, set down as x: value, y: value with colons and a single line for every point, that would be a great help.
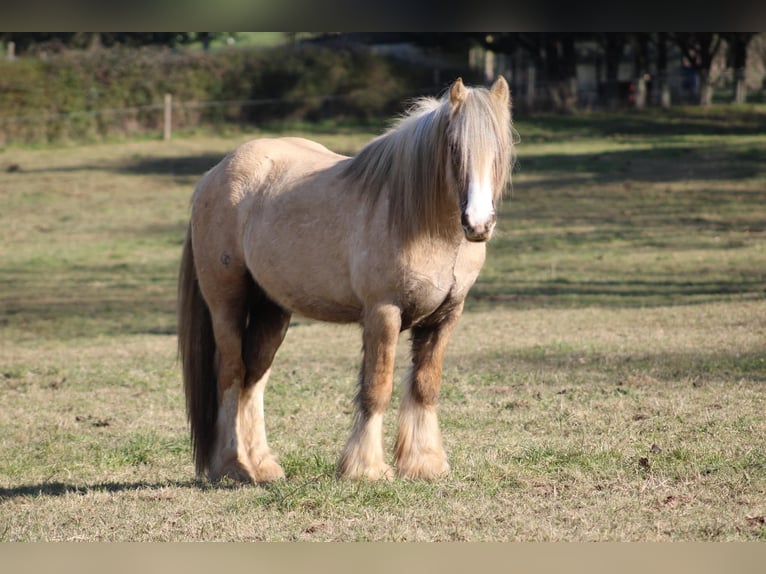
x: 372, y: 473
x: 268, y: 470
x: 233, y: 470
x: 428, y: 468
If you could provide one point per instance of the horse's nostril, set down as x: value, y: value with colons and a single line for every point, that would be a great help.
x: 464, y: 220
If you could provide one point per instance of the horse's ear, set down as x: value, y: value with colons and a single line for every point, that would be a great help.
x: 500, y: 90
x: 457, y: 93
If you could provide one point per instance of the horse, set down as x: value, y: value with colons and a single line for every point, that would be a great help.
x: 391, y: 239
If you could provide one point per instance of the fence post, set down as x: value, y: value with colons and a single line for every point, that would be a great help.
x: 11, y: 48
x: 168, y: 116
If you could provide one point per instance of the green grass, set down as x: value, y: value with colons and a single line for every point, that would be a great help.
x: 605, y: 383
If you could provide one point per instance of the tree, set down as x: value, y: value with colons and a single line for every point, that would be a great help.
x: 26, y: 41
x: 561, y: 70
x: 641, y: 66
x: 738, y: 42
x: 699, y: 49
x: 554, y: 57
x: 613, y: 44
x: 662, y: 69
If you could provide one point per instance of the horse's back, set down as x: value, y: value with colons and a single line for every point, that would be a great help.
x: 256, y: 169
x: 258, y: 164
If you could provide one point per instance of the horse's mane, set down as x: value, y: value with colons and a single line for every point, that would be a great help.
x: 410, y: 159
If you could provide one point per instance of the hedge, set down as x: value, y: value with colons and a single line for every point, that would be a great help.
x: 83, y: 96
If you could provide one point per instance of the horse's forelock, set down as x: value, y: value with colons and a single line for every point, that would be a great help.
x: 476, y: 134
x: 410, y: 159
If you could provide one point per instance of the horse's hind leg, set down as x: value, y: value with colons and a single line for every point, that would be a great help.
x: 419, y: 452
x: 245, y: 353
x: 265, y: 333
x: 228, y: 311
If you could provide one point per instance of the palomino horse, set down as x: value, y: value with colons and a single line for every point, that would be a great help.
x: 393, y: 239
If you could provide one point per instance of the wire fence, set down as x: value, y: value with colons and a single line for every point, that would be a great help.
x: 170, y: 115
x: 155, y: 107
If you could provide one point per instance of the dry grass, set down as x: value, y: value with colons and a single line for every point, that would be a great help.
x: 606, y: 382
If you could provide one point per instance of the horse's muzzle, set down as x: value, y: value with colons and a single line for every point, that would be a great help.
x: 478, y: 233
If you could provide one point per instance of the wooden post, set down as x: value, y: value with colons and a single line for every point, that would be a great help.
x: 11, y: 47
x: 168, y: 117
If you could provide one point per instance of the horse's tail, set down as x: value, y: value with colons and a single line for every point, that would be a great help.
x: 196, y: 349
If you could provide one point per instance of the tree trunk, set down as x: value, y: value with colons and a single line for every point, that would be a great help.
x: 560, y: 69
x: 665, y: 94
x: 570, y: 68
x: 700, y: 49
x: 706, y: 88
x: 740, y: 88
x: 614, y: 48
x: 641, y: 67
x: 531, y: 86
x: 662, y: 69
x: 553, y: 64
x: 738, y: 59
x: 489, y: 66
x: 641, y: 93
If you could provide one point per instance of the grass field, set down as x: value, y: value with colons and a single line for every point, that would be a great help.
x: 607, y: 381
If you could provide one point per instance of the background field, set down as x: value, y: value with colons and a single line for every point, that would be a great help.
x: 605, y: 383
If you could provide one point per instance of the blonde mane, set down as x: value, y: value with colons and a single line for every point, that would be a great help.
x: 410, y: 160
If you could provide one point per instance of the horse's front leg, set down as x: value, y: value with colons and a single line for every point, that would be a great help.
x: 419, y: 452
x: 363, y: 456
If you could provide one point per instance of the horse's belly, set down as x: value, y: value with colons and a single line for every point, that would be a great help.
x: 312, y: 285
x: 314, y: 305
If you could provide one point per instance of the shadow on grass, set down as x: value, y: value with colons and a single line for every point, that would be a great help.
x: 627, y: 293
x: 181, y: 167
x: 193, y: 165
x: 666, y: 164
x: 62, y: 489
x: 633, y: 368
x: 679, y: 121
x: 87, y: 300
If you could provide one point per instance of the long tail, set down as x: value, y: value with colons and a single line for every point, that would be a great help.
x: 196, y: 348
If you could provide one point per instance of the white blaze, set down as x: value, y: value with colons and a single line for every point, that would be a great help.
x: 479, y: 211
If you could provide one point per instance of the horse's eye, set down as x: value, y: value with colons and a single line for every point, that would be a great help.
x: 454, y: 152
